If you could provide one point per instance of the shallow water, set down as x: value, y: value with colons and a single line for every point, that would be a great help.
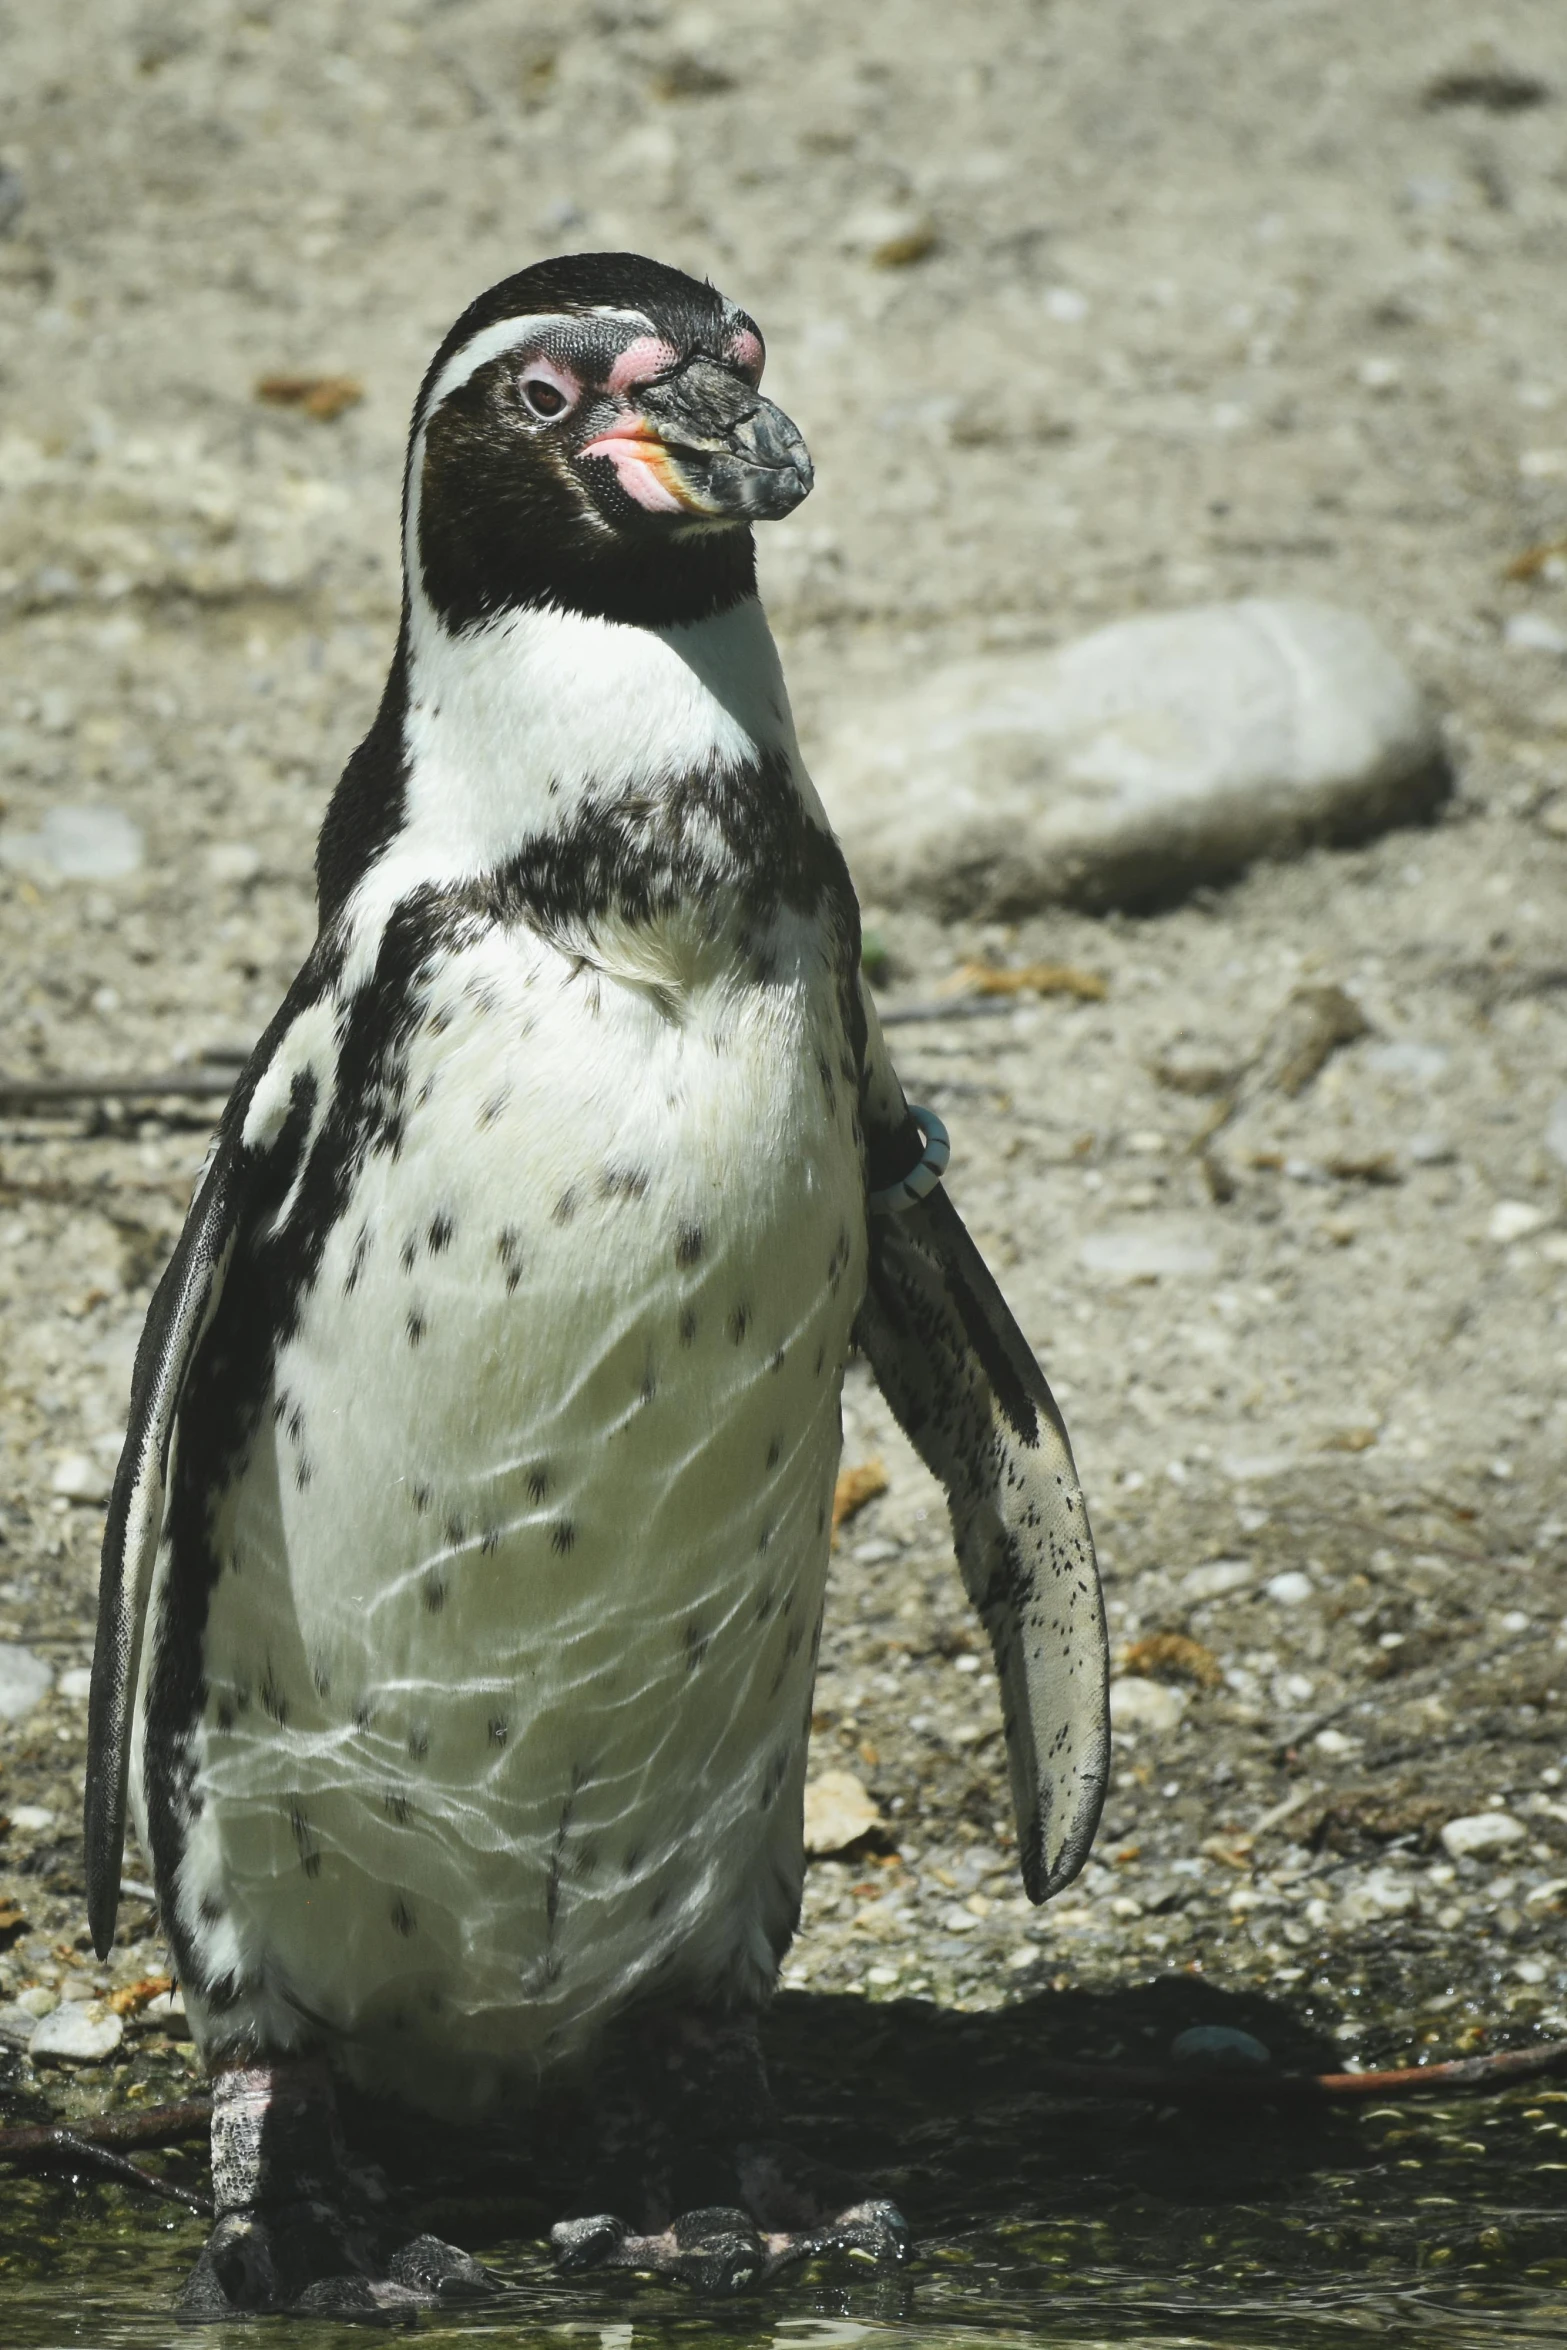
x: 1039, y: 2219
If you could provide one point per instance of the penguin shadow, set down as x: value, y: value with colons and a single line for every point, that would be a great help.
x: 954, y: 2116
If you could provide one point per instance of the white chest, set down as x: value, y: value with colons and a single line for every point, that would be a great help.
x: 509, y: 1659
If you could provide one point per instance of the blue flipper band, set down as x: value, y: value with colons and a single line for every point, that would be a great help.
x: 924, y: 1175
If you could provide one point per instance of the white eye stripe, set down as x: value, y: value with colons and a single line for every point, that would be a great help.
x: 504, y: 335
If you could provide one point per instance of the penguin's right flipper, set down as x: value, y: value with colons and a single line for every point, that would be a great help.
x: 182, y: 1308
x: 963, y: 1382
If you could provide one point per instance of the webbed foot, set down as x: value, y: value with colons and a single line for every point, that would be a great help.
x: 307, y: 2260
x: 678, y: 2109
x: 722, y: 2250
x: 283, y: 2239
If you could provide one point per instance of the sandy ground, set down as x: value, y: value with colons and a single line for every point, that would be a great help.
x: 1083, y: 309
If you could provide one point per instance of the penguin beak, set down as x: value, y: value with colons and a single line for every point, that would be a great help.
x: 703, y: 441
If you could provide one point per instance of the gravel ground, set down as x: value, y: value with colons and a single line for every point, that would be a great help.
x: 1082, y: 311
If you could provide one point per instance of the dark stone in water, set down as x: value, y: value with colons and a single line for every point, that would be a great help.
x: 1219, y: 2048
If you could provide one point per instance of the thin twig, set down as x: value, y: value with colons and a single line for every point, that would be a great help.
x: 1410, y: 1684
x: 118, y: 2166
x: 203, y: 1084
x: 156, y: 2125
x: 985, y: 1007
x: 1482, y: 2074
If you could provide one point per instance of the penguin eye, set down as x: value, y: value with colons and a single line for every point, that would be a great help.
x: 542, y: 396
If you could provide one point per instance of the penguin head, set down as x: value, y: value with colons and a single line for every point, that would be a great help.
x: 591, y: 435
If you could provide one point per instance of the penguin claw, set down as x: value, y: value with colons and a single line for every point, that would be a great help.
x: 715, y: 2251
x: 305, y: 2261
x: 874, y: 2230
x: 721, y: 2251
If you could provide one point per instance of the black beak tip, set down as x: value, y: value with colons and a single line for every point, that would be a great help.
x: 786, y: 486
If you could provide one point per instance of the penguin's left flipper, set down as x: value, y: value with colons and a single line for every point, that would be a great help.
x: 258, y: 1153
x: 963, y: 1382
x: 182, y: 1308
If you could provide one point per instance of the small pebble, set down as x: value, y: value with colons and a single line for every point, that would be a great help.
x: 80, y: 1478
x: 25, y: 1681
x: 234, y: 861
x: 1531, y: 632
x: 1147, y: 1252
x: 75, y: 844
x: 1137, y: 1704
x: 1480, y: 1833
x: 1291, y: 1589
x: 1218, y: 1577
x: 1219, y: 2048
x: 838, y: 1812
x: 1556, y: 1130
x: 1515, y: 1219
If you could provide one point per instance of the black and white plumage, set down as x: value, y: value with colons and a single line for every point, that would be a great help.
x: 464, y: 1570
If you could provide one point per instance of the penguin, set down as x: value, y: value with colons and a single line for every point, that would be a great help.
x: 463, y: 1572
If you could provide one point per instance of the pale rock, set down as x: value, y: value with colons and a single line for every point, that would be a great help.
x: 838, y: 1812
x: 233, y: 861
x: 39, y: 2000
x: 34, y: 1819
x: 1216, y: 1578
x: 76, y: 1685
x: 891, y: 236
x: 1556, y: 1129
x: 1479, y: 1834
x: 1147, y: 1251
x: 1130, y: 766
x: 80, y: 2032
x: 17, y: 2025
x: 1136, y: 1704
x: 80, y: 1478
x: 25, y: 1681
x: 1380, y: 1893
x: 1531, y: 632
x: 75, y: 844
x: 1291, y: 1589
x: 1516, y: 1219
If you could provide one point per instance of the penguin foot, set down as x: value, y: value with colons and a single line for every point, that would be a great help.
x: 306, y: 2260
x: 283, y: 2241
x: 685, y: 2093
x: 722, y: 2250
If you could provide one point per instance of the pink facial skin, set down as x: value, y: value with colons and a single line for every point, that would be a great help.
x: 640, y: 361
x: 745, y: 349
x: 640, y: 468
